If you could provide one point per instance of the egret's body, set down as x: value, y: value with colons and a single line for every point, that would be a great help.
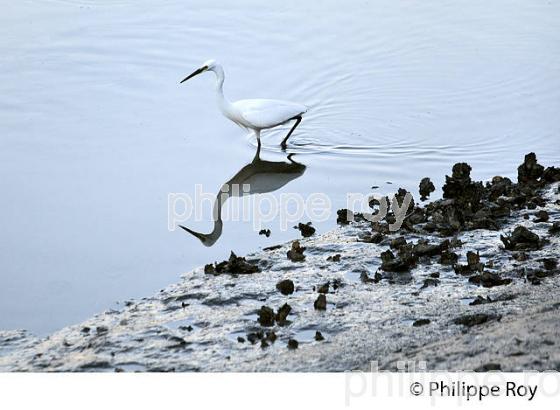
x: 254, y: 114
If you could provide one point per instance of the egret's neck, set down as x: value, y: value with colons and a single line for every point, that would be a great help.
x: 223, y: 102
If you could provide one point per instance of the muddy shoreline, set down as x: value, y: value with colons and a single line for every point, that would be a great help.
x: 469, y: 282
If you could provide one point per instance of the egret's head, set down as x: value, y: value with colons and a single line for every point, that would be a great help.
x: 207, y: 66
x: 210, y: 64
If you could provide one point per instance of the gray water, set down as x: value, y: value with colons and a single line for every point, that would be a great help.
x: 95, y: 130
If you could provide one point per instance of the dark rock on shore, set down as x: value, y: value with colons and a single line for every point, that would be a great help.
x: 530, y: 171
x: 462, y: 189
x: 398, y: 242
x: 444, y: 217
x: 409, y: 254
x: 488, y: 280
x: 364, y: 278
x: 430, y: 282
x: 425, y: 188
x: 473, y: 265
x: 254, y: 337
x: 535, y: 276
x: 381, y: 227
x: 424, y: 248
x: 390, y: 263
x: 270, y: 335
x: 400, y: 197
x: 375, y: 237
x: 521, y: 239
x: 266, y: 316
x: 334, y: 258
x: 282, y: 314
x: 337, y: 283
x: 476, y: 319
x: 344, y: 216
x: 480, y: 300
x: 319, y: 336
x: 448, y: 258
x: 296, y: 253
x: 293, y: 344
x: 259, y: 335
x: 499, y: 186
x: 324, y: 288
x: 541, y: 216
x: 285, y: 287
x: 550, y: 263
x: 421, y: 322
x: 321, y: 302
x: 417, y: 216
x: 551, y: 174
x: 272, y: 248
x: 306, y: 230
x: 265, y: 232
x: 235, y: 265
x: 178, y: 342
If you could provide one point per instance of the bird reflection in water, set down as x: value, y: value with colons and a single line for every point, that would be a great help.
x: 257, y: 177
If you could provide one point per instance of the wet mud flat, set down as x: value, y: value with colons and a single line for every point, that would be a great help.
x: 469, y: 282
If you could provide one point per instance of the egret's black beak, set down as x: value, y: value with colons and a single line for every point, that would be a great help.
x: 200, y: 236
x: 197, y: 72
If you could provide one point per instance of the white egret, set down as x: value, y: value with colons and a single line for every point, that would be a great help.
x: 254, y: 114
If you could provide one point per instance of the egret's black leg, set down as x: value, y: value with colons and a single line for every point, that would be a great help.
x: 258, y: 153
x: 298, y: 120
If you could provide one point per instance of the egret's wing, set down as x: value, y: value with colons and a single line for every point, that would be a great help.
x: 268, y: 113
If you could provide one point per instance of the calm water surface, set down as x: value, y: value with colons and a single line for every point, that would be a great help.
x: 95, y: 130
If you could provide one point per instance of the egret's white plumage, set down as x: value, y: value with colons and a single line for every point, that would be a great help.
x: 254, y: 114
x: 265, y: 114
